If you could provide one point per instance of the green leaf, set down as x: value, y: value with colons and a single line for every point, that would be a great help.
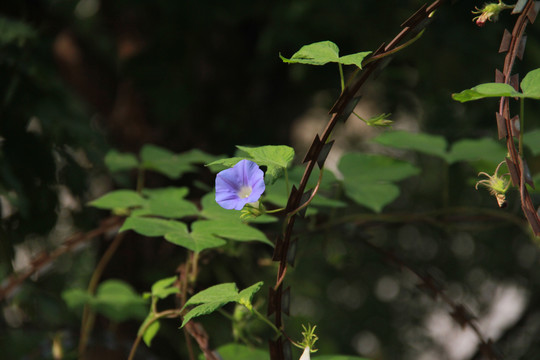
x: 163, y: 288
x: 275, y: 157
x: 150, y: 333
x: 277, y: 192
x: 114, y: 299
x: 175, y: 232
x: 328, y: 181
x: 152, y: 226
x: 210, y: 300
x: 375, y: 168
x: 368, y: 178
x: 118, y: 301
x: 15, y: 31
x: 530, y: 85
x: 322, y: 201
x: 381, y: 120
x: 226, y: 292
x: 117, y: 161
x: 486, y: 91
x: 532, y: 140
x: 485, y: 149
x: 232, y: 230
x: 240, y: 352
x: 221, y: 164
x: 203, y: 309
x: 536, y: 181
x: 323, y: 52
x: 477, y: 149
x: 118, y: 199
x: 167, y: 202
x: 318, y: 53
x: 212, y: 210
x: 373, y: 196
x: 197, y: 240
x: 214, y: 297
x: 204, y: 234
x: 354, y: 59
x: 421, y: 142
x: 164, y: 161
x: 245, y: 296
x: 196, y: 156
x: 76, y: 298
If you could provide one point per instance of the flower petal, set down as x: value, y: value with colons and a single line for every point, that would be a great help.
x: 250, y: 172
x: 227, y: 180
x: 257, y: 188
x: 245, y: 173
x: 306, y: 354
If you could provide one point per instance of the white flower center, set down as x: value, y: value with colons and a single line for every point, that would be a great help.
x: 244, y: 192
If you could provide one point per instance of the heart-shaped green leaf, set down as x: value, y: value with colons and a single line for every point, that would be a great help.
x: 117, y: 161
x: 119, y: 199
x: 421, y: 142
x: 532, y: 140
x: 167, y: 202
x: 164, y: 161
x: 486, y: 91
x: 215, y: 297
x: 197, y: 240
x: 530, y: 85
x: 368, y: 178
x: 477, y: 149
x: 232, y: 230
x: 236, y: 351
x: 323, y: 52
x: 163, y: 288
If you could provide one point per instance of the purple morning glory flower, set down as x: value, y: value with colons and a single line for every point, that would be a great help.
x: 239, y: 185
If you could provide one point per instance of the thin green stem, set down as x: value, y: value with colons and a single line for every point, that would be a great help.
x: 172, y: 313
x: 278, y: 332
x: 226, y: 314
x: 185, y: 280
x: 385, y: 54
x: 274, y: 211
x: 266, y: 321
x: 88, y: 317
x: 154, y: 304
x: 315, y: 190
x: 358, y: 116
x: 393, y: 51
x: 341, y: 78
x: 506, y: 7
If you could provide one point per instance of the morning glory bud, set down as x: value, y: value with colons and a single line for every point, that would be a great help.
x: 306, y: 354
x: 240, y: 185
x: 490, y: 12
x: 497, y: 184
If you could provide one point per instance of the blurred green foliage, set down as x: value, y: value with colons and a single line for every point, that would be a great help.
x: 80, y: 77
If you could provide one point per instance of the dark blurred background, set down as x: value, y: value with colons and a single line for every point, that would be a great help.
x: 78, y: 78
